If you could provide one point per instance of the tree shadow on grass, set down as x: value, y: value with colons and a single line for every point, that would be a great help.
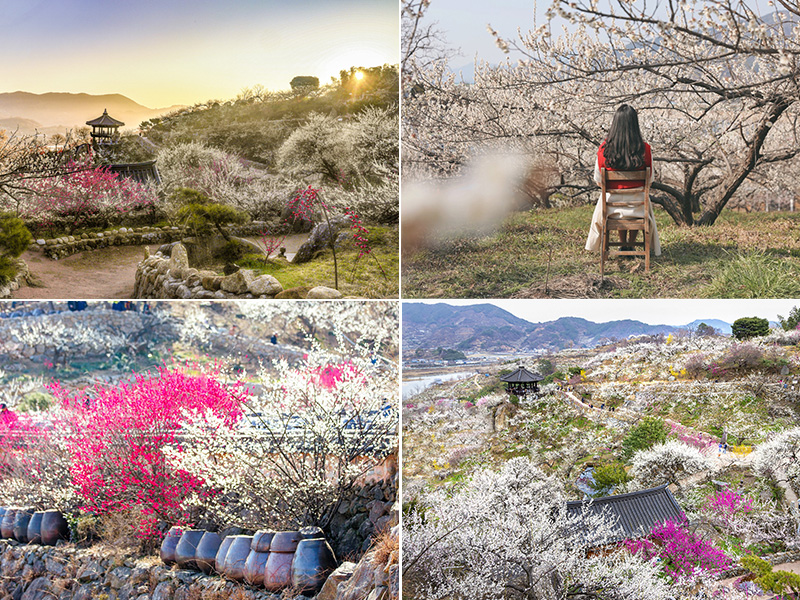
x: 686, y: 253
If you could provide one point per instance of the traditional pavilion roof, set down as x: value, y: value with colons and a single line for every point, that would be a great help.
x: 635, y: 513
x: 521, y: 375
x: 105, y: 120
x: 144, y: 172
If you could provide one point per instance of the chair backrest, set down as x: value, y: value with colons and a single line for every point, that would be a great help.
x: 640, y: 175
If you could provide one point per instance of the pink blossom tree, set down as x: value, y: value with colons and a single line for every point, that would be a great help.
x: 117, y: 436
x: 84, y: 195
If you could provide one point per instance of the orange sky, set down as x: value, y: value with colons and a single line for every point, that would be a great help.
x: 165, y: 52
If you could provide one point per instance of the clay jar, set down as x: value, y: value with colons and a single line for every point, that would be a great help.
x: 278, y: 571
x: 313, y: 562
x: 257, y: 559
x: 7, y: 525
x: 222, y: 553
x: 169, y: 544
x: 206, y: 555
x: 21, y: 520
x: 54, y: 527
x: 237, y: 557
x: 35, y: 528
x: 187, y: 548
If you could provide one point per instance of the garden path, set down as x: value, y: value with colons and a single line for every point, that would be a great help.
x: 104, y: 273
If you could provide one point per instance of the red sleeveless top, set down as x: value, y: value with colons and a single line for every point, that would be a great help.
x: 624, y: 185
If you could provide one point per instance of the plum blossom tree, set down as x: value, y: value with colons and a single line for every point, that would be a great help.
x: 307, y: 439
x: 506, y: 534
x: 668, y: 463
x: 718, y: 103
x: 779, y: 458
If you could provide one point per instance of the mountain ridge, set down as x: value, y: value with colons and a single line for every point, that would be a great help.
x: 55, y: 112
x: 485, y: 327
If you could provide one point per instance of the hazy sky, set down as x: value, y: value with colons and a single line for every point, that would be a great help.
x: 653, y: 312
x: 164, y: 52
x: 464, y: 23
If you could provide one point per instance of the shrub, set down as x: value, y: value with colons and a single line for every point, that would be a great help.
x: 779, y: 582
x: 200, y: 214
x: 650, y: 431
x: 14, y: 240
x: 696, y: 364
x: 606, y: 477
x: 749, y: 327
x: 314, y: 430
x: 740, y: 357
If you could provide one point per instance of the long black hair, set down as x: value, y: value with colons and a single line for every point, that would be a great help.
x: 624, y: 147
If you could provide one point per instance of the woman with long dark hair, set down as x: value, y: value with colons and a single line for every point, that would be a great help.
x: 624, y: 149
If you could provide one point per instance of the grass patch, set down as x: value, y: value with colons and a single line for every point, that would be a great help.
x: 357, y: 276
x: 741, y: 256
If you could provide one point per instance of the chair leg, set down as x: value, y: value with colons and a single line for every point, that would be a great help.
x: 647, y: 237
x: 603, y: 250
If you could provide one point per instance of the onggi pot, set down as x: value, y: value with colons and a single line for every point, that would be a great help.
x: 257, y: 559
x: 187, y: 548
x: 206, y: 555
x: 313, y: 562
x: 35, y: 528
x: 222, y: 553
x: 237, y: 557
x: 7, y: 525
x: 169, y: 544
x: 54, y: 527
x: 21, y: 520
x: 278, y: 570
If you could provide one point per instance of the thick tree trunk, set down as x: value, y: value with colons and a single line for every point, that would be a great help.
x: 745, y: 166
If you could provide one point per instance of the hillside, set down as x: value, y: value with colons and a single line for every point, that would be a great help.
x: 53, y: 112
x: 254, y: 124
x: 629, y: 417
x: 487, y: 328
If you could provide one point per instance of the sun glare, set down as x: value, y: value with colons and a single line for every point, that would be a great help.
x: 359, y: 75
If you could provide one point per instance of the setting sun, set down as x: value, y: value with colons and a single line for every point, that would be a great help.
x: 359, y: 75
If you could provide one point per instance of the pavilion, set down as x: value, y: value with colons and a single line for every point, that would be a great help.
x: 521, y: 382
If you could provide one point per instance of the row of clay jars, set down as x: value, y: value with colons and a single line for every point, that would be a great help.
x: 301, y: 559
x: 27, y: 525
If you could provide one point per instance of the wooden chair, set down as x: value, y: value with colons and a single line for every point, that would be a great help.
x: 628, y: 223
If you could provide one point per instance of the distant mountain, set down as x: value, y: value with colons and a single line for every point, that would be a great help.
x: 55, y: 112
x: 488, y: 328
x: 721, y: 326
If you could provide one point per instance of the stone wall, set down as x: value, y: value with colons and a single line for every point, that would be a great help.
x: 64, y: 246
x: 367, y: 513
x: 65, y: 572
x: 85, y: 334
x: 167, y: 275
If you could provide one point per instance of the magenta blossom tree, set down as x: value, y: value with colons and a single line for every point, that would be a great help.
x: 683, y: 555
x: 117, y: 436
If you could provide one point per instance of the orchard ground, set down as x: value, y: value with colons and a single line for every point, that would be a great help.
x: 743, y: 255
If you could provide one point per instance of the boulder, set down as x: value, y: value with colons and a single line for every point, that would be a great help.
x: 265, y: 285
x: 319, y: 239
x: 323, y: 293
x: 340, y: 575
x: 238, y: 282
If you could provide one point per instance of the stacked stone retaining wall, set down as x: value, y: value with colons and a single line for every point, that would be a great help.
x: 68, y: 245
x: 167, y: 275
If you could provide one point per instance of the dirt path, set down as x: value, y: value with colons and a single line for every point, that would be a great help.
x: 105, y: 273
